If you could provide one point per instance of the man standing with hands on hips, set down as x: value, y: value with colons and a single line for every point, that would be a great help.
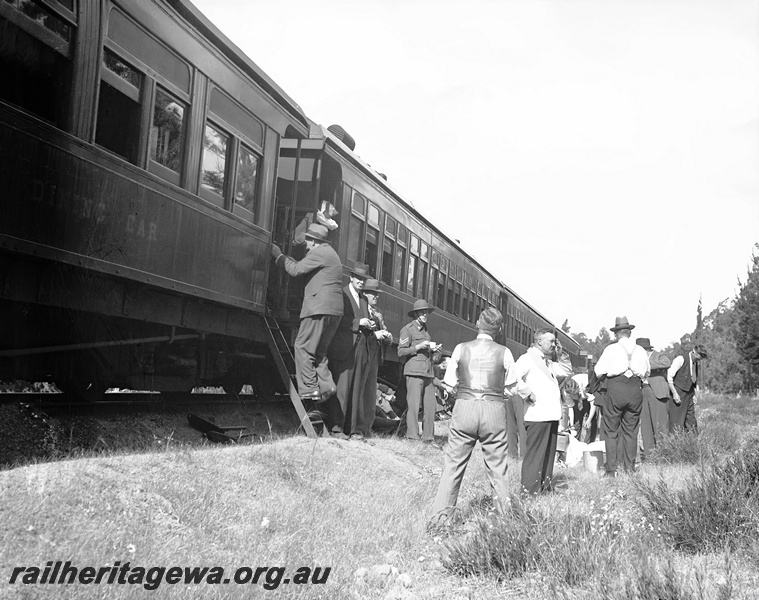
x: 417, y: 349
x: 538, y: 373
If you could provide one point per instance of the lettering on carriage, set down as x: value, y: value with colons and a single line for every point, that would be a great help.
x: 136, y: 226
x: 58, y: 198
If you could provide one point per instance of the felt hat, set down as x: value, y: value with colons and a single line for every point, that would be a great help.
x: 644, y: 343
x: 361, y: 271
x: 700, y: 349
x: 317, y: 232
x: 420, y: 305
x: 372, y: 286
x: 621, y: 323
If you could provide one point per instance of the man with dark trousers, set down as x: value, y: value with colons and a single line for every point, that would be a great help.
x: 654, y: 415
x: 626, y: 367
x: 480, y: 372
x: 321, y: 312
x: 539, y: 371
x: 342, y: 351
x: 683, y: 377
x: 416, y: 349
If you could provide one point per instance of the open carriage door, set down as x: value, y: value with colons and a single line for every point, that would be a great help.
x: 297, y: 197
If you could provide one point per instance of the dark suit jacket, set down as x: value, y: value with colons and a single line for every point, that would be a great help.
x: 342, y: 345
x: 324, y: 280
x: 658, y: 378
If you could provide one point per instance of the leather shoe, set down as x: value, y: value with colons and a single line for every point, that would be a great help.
x: 312, y: 396
x: 329, y: 393
x: 339, y: 435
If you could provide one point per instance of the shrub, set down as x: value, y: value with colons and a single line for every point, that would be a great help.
x: 716, y: 509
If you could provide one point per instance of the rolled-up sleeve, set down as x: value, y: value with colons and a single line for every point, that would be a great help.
x: 676, y: 366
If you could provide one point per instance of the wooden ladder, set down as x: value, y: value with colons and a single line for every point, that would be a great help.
x: 285, y: 362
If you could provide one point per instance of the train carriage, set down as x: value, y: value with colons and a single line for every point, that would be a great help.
x: 147, y: 165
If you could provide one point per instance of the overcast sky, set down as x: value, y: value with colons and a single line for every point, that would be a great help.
x: 601, y: 157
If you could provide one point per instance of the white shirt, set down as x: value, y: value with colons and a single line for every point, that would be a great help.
x: 582, y: 381
x: 677, y: 364
x: 451, y: 378
x: 539, y: 380
x: 614, y: 359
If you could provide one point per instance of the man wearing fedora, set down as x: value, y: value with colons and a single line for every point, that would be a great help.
x: 625, y: 366
x: 481, y: 372
x: 416, y: 349
x: 683, y: 377
x: 362, y: 400
x: 654, y: 415
x: 342, y: 350
x: 320, y: 314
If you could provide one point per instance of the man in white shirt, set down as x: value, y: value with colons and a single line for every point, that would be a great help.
x: 538, y: 373
x: 481, y: 372
x: 626, y: 366
x: 683, y: 377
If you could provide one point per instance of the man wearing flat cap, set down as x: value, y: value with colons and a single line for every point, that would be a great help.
x: 683, y: 377
x: 320, y: 314
x: 417, y: 350
x: 625, y: 366
x: 654, y: 414
x: 342, y: 350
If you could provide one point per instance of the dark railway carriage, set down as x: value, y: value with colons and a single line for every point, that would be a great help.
x: 138, y: 153
x: 146, y: 165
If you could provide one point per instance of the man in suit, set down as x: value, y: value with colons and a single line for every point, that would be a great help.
x: 480, y: 371
x: 539, y: 371
x: 342, y: 350
x: 654, y: 416
x: 683, y: 377
x: 321, y: 312
x: 625, y: 366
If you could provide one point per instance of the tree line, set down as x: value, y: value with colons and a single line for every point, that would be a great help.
x: 730, y: 332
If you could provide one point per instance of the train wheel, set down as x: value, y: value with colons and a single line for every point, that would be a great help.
x: 82, y: 391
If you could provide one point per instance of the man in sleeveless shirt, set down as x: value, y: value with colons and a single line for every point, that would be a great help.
x: 683, y: 377
x: 626, y: 366
x: 481, y: 372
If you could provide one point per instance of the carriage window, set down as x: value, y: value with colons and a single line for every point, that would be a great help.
x: 119, y: 111
x: 465, y: 310
x: 34, y: 77
x: 225, y: 108
x: 435, y: 258
x: 414, y: 244
x: 440, y: 296
x: 411, y: 284
x: 457, y: 299
x: 247, y: 180
x: 449, y: 295
x: 433, y: 286
x: 214, y: 165
x: 387, y: 261
x: 167, y: 132
x: 358, y: 204
x: 373, y: 216
x: 390, y: 226
x: 355, y: 238
x: 400, y: 270
x: 422, y: 278
x: 371, y: 250
x: 44, y: 17
x: 425, y: 252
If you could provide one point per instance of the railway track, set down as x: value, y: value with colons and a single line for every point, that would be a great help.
x: 122, y: 400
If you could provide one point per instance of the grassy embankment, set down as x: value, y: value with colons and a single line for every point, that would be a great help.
x: 684, y: 527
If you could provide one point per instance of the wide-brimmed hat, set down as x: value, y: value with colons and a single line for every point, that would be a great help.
x: 644, y: 343
x: 361, y: 270
x: 621, y: 323
x: 700, y: 349
x: 317, y: 232
x: 420, y: 305
x: 372, y: 286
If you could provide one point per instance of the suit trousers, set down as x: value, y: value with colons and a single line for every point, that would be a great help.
x: 654, y: 419
x: 537, y: 466
x: 683, y: 417
x: 342, y: 372
x: 310, y: 350
x: 420, y: 389
x: 515, y: 432
x: 622, y: 420
x: 472, y: 420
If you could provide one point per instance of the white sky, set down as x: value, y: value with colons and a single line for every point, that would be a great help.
x: 601, y: 157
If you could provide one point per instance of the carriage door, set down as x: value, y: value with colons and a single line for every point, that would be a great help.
x: 296, y: 200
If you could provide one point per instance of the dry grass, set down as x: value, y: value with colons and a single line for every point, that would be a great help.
x: 293, y: 502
